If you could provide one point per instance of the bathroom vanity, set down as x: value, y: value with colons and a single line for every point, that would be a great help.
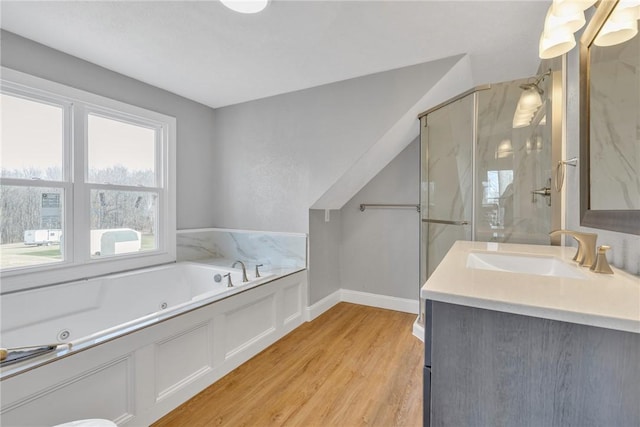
x: 520, y: 335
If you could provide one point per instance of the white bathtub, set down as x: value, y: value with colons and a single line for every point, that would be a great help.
x: 89, y: 311
x: 175, y: 318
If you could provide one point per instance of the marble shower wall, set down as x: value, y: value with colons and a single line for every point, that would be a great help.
x: 515, y: 216
x: 272, y: 249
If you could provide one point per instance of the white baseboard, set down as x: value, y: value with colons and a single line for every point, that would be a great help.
x: 323, y: 305
x: 418, y: 330
x: 362, y: 298
x: 380, y: 301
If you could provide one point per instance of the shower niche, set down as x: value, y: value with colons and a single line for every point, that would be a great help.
x: 488, y: 161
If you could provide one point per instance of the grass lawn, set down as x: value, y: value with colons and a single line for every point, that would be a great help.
x: 21, y: 255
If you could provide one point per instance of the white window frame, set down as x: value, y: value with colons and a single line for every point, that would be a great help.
x: 78, y: 263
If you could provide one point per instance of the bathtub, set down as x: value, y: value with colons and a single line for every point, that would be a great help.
x: 89, y: 311
x: 156, y: 336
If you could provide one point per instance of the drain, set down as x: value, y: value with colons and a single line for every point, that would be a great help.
x: 163, y: 306
x: 217, y: 278
x: 64, y: 335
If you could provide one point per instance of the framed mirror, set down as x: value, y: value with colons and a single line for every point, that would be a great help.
x: 609, y: 127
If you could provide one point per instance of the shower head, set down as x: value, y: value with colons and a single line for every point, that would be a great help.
x: 534, y: 85
x: 527, y: 86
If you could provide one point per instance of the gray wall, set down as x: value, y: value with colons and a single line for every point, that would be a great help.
x: 375, y: 251
x: 324, y: 254
x: 195, y: 144
x: 625, y: 248
x: 278, y: 155
x: 379, y: 247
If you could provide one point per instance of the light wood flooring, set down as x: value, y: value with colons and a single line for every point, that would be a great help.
x: 352, y: 366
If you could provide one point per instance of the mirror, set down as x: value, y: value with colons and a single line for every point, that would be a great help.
x: 609, y: 129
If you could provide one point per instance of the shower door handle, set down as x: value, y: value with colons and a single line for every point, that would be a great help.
x: 445, y: 221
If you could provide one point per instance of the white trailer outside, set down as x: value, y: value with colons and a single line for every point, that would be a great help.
x: 113, y: 241
x: 42, y: 237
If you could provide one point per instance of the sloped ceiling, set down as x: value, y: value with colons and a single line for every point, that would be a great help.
x: 205, y: 52
x: 457, y: 80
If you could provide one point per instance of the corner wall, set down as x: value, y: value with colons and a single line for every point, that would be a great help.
x: 195, y: 146
x: 324, y: 254
x: 379, y: 248
x: 375, y: 251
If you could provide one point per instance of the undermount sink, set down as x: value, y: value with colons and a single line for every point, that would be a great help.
x: 523, y: 263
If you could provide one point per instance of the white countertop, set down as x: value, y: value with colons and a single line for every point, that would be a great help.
x: 603, y: 300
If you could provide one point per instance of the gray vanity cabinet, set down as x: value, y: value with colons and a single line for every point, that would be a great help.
x: 491, y: 368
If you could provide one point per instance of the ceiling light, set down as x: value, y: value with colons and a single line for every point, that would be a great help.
x: 621, y: 26
x: 555, y: 43
x: 246, y: 6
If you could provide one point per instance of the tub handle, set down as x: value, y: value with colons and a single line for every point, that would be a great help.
x: 258, y: 271
x: 229, y: 284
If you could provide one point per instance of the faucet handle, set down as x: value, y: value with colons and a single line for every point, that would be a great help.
x: 258, y: 271
x: 229, y: 284
x: 602, y: 265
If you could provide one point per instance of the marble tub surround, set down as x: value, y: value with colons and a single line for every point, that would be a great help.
x: 275, y: 251
x: 607, y: 301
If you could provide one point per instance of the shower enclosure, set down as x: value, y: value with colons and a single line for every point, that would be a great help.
x: 486, y: 168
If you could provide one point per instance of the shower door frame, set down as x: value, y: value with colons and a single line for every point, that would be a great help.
x: 423, y: 251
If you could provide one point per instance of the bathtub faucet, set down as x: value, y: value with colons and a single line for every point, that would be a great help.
x: 244, y: 270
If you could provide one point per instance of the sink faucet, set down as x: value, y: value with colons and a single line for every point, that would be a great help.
x: 586, y: 254
x: 244, y: 270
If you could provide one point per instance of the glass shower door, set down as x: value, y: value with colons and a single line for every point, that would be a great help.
x: 513, y: 167
x: 446, y: 180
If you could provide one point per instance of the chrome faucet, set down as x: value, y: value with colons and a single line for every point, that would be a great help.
x: 244, y: 270
x: 586, y: 254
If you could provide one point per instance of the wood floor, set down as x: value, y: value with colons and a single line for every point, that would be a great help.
x: 352, y: 366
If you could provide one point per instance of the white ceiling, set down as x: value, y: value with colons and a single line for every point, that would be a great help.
x: 205, y: 52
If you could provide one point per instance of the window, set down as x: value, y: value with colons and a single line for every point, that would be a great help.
x: 87, y: 184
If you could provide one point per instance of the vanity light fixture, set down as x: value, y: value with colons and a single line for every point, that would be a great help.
x: 529, y: 103
x: 505, y: 149
x: 246, y: 6
x: 555, y: 43
x: 621, y: 26
x: 563, y: 19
